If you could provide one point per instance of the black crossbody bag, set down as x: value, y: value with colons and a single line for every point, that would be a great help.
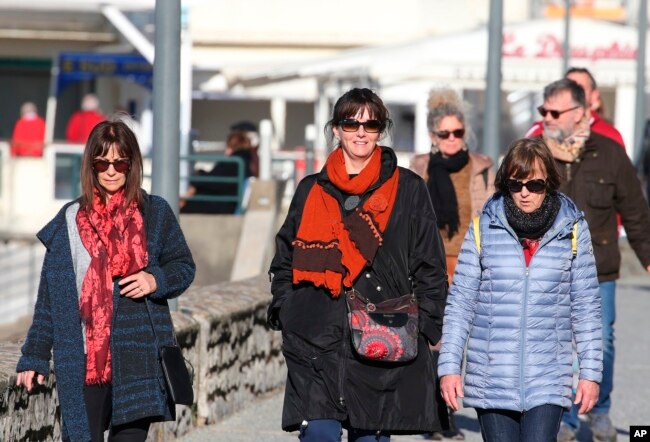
x: 174, y: 368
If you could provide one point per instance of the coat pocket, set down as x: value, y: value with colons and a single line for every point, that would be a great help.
x: 600, y: 192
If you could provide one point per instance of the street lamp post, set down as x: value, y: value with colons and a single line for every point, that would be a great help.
x: 492, y: 112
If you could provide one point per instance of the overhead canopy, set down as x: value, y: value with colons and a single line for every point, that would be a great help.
x: 532, y: 57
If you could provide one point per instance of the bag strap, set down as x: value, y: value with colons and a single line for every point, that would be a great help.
x: 146, y: 303
x: 155, y: 335
x: 574, y: 240
x: 477, y: 232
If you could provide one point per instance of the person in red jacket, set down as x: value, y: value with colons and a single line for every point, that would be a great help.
x: 584, y: 78
x: 83, y: 121
x: 29, y: 132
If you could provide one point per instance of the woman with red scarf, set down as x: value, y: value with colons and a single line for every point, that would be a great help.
x: 362, y: 227
x: 106, y: 252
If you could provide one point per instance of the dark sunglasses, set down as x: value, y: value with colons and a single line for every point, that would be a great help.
x: 535, y: 186
x: 120, y: 166
x: 444, y: 134
x: 370, y: 126
x: 554, y: 113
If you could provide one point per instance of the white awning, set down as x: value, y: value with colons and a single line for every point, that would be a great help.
x: 532, y: 57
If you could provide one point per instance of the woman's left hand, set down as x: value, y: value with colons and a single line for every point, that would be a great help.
x: 138, y: 285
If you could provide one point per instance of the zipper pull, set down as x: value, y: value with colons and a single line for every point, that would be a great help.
x: 568, y: 171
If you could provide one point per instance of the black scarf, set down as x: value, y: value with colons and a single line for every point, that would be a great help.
x: 441, y: 188
x: 532, y: 225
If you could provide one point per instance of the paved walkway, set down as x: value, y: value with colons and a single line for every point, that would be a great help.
x: 631, y: 399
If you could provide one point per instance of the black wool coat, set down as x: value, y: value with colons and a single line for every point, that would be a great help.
x: 326, y: 379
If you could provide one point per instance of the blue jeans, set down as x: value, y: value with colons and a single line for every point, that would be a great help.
x: 539, y: 424
x: 330, y: 430
x: 608, y: 312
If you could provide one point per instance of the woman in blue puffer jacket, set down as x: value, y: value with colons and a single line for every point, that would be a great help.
x: 523, y: 288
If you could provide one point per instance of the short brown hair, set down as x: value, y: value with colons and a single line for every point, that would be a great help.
x: 105, y: 135
x: 520, y: 160
x: 356, y: 100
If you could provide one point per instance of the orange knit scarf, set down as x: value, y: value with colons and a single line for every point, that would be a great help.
x: 329, y: 250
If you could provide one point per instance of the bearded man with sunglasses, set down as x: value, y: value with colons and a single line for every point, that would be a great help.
x: 584, y: 78
x: 600, y: 178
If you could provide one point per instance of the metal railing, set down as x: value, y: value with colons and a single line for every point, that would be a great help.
x: 239, y: 179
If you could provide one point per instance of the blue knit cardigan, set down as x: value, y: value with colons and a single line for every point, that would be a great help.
x: 138, y: 386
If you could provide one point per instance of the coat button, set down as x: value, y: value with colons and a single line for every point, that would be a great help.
x: 368, y: 275
x: 595, y: 154
x: 379, y: 288
x: 601, y: 181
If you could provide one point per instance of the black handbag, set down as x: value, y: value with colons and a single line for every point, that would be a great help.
x: 174, y: 368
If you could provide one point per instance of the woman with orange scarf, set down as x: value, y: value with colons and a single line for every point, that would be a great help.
x: 362, y: 228
x: 113, y: 255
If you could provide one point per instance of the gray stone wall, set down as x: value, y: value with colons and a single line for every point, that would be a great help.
x: 222, y: 330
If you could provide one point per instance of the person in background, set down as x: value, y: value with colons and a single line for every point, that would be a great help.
x: 250, y: 129
x: 361, y: 226
x: 525, y: 285
x: 107, y: 252
x: 600, y: 178
x: 28, y: 135
x: 587, y: 81
x: 83, y: 121
x: 459, y: 183
x: 237, y: 146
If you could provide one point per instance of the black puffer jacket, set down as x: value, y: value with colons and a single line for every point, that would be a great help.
x: 326, y: 380
x: 602, y: 183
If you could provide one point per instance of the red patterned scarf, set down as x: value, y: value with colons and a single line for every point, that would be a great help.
x: 330, y: 250
x: 114, y: 235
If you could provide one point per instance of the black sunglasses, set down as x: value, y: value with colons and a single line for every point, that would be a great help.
x: 535, y: 186
x: 444, y: 134
x: 370, y: 126
x: 120, y: 166
x: 554, y: 113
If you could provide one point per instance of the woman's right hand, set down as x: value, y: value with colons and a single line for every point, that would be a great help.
x: 26, y: 379
x: 451, y: 387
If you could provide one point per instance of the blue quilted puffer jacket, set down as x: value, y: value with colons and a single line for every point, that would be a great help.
x: 518, y: 321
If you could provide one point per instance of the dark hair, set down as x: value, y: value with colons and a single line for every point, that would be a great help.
x: 585, y: 71
x: 565, y: 84
x: 238, y: 140
x: 244, y: 126
x: 107, y: 134
x: 355, y: 101
x: 520, y: 160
